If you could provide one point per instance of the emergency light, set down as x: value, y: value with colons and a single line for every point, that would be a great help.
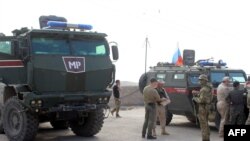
x: 57, y: 24
x: 210, y: 63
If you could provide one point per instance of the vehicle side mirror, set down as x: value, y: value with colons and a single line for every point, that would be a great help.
x: 115, y: 52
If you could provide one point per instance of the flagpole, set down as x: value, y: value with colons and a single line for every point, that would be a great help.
x: 146, y: 54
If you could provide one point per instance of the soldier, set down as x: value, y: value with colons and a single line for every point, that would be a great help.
x: 203, y: 99
x: 161, y: 108
x: 235, y: 99
x: 116, y: 93
x: 222, y: 106
x: 151, y: 97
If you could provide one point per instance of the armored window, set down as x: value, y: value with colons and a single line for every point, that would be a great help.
x: 50, y: 46
x: 91, y: 47
x: 161, y: 77
x: 193, y: 79
x: 237, y: 76
x: 5, y: 47
x: 216, y: 77
x: 179, y: 76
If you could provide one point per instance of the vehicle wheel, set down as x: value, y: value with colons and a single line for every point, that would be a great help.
x: 59, y: 124
x: 89, y: 126
x: 142, y: 82
x: 191, y: 118
x: 169, y: 117
x: 217, y: 120
x: 19, y: 124
x: 1, y: 119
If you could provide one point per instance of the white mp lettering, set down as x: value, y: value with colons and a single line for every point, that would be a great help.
x: 74, y: 64
x: 236, y: 132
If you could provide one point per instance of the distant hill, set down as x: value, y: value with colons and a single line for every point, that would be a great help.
x: 128, y: 83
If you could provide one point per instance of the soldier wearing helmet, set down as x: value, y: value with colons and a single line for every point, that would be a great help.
x: 203, y: 99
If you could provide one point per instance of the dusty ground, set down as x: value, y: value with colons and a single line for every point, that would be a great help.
x: 127, y: 128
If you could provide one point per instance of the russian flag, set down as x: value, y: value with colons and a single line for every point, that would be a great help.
x: 177, y: 58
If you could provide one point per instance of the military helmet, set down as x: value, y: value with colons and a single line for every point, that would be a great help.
x: 203, y: 77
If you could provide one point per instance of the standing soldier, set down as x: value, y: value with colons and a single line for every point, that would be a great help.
x: 116, y: 93
x: 222, y: 105
x: 151, y: 97
x: 161, y: 108
x: 236, y: 101
x: 203, y: 99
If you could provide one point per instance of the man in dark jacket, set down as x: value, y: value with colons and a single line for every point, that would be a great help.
x: 235, y: 99
x: 116, y: 94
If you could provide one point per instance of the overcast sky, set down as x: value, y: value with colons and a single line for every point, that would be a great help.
x: 213, y: 28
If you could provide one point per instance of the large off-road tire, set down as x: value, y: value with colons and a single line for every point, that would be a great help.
x: 90, y: 126
x: 19, y: 124
x: 59, y: 124
x: 191, y: 118
x: 142, y: 82
x: 217, y: 120
x: 1, y: 119
x: 169, y: 117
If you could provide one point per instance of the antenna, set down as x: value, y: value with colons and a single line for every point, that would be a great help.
x: 146, y: 53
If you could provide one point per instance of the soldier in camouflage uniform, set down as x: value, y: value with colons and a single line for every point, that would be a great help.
x: 203, y: 99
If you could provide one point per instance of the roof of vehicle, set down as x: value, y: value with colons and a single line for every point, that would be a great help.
x: 66, y: 32
x: 171, y: 67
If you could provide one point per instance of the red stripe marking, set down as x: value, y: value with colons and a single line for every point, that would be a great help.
x: 11, y: 63
x: 176, y: 90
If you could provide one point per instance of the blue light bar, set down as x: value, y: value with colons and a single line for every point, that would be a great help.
x: 57, y: 24
x: 209, y: 63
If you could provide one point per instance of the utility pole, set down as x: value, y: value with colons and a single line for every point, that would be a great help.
x: 146, y: 55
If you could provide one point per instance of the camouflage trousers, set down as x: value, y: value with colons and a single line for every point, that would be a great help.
x: 237, y: 116
x: 223, y: 109
x: 248, y: 119
x: 203, y: 119
x: 161, y: 115
x: 117, y: 106
x: 149, y: 121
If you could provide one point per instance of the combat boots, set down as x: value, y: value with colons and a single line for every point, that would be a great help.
x: 118, y: 116
x: 150, y: 137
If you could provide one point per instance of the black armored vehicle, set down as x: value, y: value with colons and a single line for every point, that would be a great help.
x: 59, y: 73
x: 181, y: 80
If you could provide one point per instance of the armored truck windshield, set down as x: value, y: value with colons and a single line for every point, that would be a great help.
x: 76, y: 47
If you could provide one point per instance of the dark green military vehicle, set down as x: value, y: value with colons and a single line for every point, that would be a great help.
x: 59, y: 73
x: 181, y: 80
